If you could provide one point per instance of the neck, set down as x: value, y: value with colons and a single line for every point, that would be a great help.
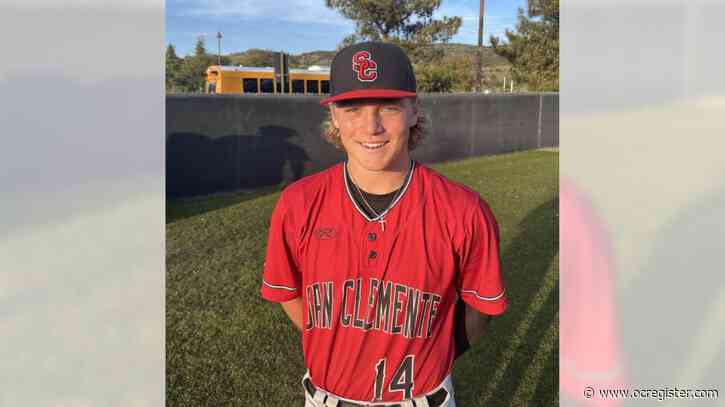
x: 379, y: 182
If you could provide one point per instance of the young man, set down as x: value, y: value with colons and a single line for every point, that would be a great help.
x: 370, y: 257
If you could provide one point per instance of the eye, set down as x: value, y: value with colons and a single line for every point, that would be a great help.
x: 351, y: 109
x: 391, y: 108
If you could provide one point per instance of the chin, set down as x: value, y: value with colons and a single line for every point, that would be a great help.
x: 385, y: 161
x: 375, y: 166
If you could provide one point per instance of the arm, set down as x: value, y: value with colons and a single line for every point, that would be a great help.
x: 480, y: 283
x: 476, y: 324
x: 294, y: 309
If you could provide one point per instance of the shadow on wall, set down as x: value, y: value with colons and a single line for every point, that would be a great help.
x: 197, y: 164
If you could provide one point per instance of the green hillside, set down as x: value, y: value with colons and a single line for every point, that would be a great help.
x: 452, y: 52
x: 454, y: 72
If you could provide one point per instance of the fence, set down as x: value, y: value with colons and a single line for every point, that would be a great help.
x: 216, y: 143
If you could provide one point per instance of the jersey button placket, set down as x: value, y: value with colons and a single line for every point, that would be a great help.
x: 371, y: 246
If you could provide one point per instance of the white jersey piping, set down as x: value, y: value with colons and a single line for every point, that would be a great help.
x: 392, y: 204
x: 482, y: 298
x: 282, y: 287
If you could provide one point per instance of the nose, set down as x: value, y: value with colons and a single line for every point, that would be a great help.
x: 372, y: 123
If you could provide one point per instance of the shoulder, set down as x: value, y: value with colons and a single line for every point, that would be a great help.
x: 311, y: 186
x: 444, y: 191
x: 458, y: 206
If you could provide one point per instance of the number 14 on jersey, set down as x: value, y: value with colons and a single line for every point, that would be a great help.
x: 402, y: 379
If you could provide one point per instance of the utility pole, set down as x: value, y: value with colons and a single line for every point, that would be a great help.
x: 281, y: 70
x: 480, y: 46
x: 219, y: 49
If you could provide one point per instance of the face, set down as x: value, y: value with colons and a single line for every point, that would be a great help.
x: 374, y: 132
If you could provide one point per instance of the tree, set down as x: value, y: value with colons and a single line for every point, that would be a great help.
x: 173, y: 63
x: 192, y: 72
x: 533, y: 49
x: 463, y: 71
x: 199, y: 48
x: 434, y: 78
x: 409, y: 24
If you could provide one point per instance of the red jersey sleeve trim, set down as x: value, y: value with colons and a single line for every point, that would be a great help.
x: 495, y: 305
x: 482, y: 298
x: 282, y: 287
x: 278, y: 293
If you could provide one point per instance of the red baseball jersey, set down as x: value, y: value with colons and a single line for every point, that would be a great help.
x: 379, y: 298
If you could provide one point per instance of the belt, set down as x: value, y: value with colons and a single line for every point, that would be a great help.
x: 434, y: 400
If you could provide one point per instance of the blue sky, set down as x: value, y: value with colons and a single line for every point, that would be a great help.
x: 298, y: 26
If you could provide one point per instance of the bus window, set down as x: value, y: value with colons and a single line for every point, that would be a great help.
x: 250, y: 85
x: 312, y: 87
x: 267, y: 86
x: 325, y: 86
x: 298, y: 86
x: 279, y: 87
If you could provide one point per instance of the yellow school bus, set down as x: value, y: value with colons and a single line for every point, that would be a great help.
x: 314, y: 80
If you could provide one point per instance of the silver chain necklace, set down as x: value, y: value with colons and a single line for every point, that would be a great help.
x: 380, y: 218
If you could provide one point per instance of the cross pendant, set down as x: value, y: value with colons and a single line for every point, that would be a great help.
x: 382, y: 224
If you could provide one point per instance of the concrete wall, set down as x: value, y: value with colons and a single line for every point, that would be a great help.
x: 224, y: 142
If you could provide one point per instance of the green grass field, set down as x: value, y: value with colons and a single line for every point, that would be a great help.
x: 225, y: 346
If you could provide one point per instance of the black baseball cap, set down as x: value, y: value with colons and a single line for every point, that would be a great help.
x: 370, y: 70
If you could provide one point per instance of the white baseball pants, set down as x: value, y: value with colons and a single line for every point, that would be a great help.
x: 325, y: 399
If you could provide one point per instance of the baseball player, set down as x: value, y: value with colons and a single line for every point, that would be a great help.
x: 370, y: 257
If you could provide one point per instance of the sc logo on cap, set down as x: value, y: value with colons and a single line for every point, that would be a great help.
x: 364, y: 66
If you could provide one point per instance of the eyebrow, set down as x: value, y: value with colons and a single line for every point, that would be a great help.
x: 392, y: 102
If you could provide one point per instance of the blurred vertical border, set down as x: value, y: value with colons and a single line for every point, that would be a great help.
x: 642, y: 198
x: 82, y: 209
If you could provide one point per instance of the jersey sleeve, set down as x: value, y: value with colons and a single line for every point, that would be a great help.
x: 480, y: 283
x: 281, y: 280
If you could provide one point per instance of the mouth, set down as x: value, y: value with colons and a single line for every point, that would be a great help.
x: 373, y: 146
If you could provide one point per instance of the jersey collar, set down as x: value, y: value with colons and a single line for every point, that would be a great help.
x: 401, y: 192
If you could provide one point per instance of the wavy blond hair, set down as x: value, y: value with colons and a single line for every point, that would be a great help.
x: 418, y: 131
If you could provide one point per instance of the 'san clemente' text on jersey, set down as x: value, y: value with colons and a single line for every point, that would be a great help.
x: 390, y: 307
